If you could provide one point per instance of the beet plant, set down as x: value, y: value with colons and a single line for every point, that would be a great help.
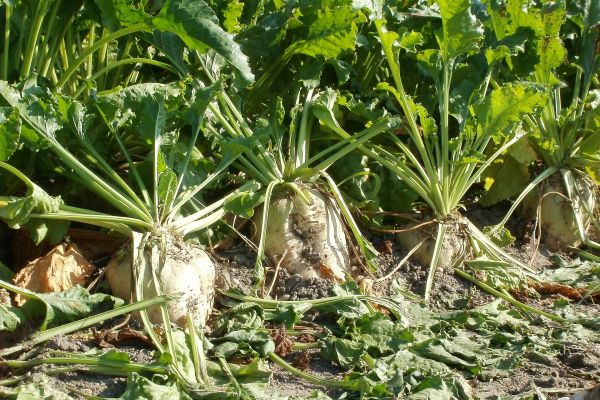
x: 160, y: 199
x: 301, y: 214
x: 150, y: 210
x: 444, y: 153
x: 564, y: 135
x: 161, y: 190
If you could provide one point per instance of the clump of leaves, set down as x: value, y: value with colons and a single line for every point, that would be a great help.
x: 442, y: 158
x: 562, y: 135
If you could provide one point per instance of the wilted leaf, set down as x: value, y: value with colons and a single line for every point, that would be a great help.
x: 345, y: 353
x: 40, y: 389
x: 106, y: 338
x: 283, y: 344
x: 139, y: 387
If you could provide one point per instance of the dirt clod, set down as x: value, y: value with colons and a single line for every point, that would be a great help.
x: 578, y: 357
x: 302, y: 361
x: 106, y: 338
x: 283, y: 344
x: 296, y: 287
x: 62, y: 268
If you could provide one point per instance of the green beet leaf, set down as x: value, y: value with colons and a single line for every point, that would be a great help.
x: 514, y: 16
x: 194, y: 21
x: 59, y: 308
x: 380, y: 335
x: 332, y: 33
x: 141, y: 107
x: 197, y: 24
x: 119, y: 13
x: 115, y: 356
x: 503, y: 109
x: 51, y: 230
x: 10, y: 132
x: 346, y: 353
x: 244, y: 203
x: 245, y: 315
x: 10, y: 318
x: 410, y: 40
x: 501, y: 236
x: 6, y: 273
x: 576, y: 273
x: 256, y: 372
x: 232, y: 14
x: 183, y: 356
x: 436, y: 349
x: 17, y: 211
x: 290, y: 314
x: 504, y: 178
x: 172, y: 47
x: 461, y: 32
x: 36, y: 108
x: 247, y: 342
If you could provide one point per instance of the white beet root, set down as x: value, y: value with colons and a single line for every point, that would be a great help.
x: 312, y: 234
x: 187, y: 271
x: 455, y: 244
x: 557, y: 220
